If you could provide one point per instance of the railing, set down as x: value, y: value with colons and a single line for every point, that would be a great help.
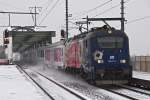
x: 141, y: 63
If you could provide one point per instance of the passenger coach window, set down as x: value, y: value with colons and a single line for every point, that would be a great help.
x: 38, y: 53
x: 41, y: 53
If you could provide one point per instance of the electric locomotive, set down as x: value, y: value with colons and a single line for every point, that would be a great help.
x: 106, y: 56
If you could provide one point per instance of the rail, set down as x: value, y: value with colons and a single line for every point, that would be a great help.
x: 23, y: 71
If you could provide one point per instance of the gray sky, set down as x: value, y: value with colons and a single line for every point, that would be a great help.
x: 137, y: 31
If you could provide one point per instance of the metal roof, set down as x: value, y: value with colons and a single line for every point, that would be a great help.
x: 22, y: 40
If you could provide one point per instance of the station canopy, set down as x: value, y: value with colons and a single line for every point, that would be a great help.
x: 22, y: 40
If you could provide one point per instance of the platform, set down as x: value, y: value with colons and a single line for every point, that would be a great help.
x: 141, y: 75
x: 15, y: 86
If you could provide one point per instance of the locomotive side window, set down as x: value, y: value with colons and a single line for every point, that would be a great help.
x: 110, y: 42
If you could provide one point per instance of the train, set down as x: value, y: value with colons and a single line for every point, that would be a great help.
x: 100, y: 56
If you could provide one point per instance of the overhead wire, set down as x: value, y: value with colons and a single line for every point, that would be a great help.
x: 55, y: 4
x: 135, y: 20
x: 93, y: 9
x: 109, y: 9
x: 90, y: 10
x: 40, y: 11
x: 99, y: 6
x: 48, y: 5
x: 138, y: 19
x: 105, y: 10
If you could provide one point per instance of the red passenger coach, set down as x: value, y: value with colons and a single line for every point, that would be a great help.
x: 54, y: 55
x: 72, y: 54
x: 57, y: 54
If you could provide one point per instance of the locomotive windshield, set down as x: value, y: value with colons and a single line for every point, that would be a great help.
x: 110, y: 42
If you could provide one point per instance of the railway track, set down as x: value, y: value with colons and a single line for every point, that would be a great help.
x: 129, y: 92
x: 140, y: 83
x: 81, y: 97
x: 23, y: 71
x: 138, y: 90
x: 125, y: 91
x: 73, y: 94
x: 109, y: 88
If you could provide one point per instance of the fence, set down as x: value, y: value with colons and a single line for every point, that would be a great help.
x: 141, y: 63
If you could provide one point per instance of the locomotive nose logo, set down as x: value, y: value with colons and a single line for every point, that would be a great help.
x: 112, y: 57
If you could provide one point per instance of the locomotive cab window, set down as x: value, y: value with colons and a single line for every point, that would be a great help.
x: 110, y: 42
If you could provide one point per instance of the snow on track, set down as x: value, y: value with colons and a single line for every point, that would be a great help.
x: 57, y: 92
x: 76, y: 83
x: 14, y: 86
x: 130, y: 92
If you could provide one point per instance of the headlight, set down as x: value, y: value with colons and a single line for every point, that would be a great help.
x: 100, y: 61
x: 98, y: 55
x: 123, y: 61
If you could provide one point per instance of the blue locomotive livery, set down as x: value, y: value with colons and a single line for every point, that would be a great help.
x: 107, y: 58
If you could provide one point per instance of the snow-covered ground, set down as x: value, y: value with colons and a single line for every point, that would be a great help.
x: 15, y: 86
x: 141, y: 75
x: 131, y: 93
x: 57, y: 92
x: 76, y: 83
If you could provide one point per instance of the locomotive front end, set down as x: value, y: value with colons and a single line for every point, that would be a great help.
x: 110, y: 58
